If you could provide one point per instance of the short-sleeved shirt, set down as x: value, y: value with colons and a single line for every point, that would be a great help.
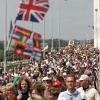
x: 91, y: 93
x: 75, y: 96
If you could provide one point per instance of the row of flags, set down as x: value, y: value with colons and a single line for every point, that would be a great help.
x: 23, y: 41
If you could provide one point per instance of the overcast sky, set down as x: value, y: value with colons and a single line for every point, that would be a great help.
x: 75, y: 18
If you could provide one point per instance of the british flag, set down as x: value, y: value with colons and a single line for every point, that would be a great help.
x: 32, y: 10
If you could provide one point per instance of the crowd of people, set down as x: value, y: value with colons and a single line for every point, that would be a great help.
x: 70, y: 74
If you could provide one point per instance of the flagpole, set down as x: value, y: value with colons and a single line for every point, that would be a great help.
x: 32, y: 31
x: 32, y: 26
x: 52, y: 24
x: 5, y: 37
x: 44, y: 36
x: 59, y: 23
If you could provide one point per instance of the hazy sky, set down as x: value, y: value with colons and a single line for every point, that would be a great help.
x: 75, y: 17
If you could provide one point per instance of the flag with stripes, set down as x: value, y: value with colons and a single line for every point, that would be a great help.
x: 36, y: 39
x: 32, y: 10
x: 22, y: 43
x: 36, y: 53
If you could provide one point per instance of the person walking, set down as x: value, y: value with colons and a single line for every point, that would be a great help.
x: 90, y: 92
x: 71, y: 93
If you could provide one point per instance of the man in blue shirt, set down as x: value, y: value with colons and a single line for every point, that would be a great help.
x: 71, y: 93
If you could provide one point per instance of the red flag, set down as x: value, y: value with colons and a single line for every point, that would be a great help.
x: 71, y: 42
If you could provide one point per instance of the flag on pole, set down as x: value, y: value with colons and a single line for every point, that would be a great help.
x: 37, y: 45
x: 45, y: 49
x: 22, y: 43
x: 36, y: 39
x: 71, y: 42
x: 36, y: 53
x: 32, y: 10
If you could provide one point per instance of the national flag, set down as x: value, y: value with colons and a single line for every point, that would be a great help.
x: 35, y: 49
x: 23, y: 38
x: 36, y: 55
x: 71, y: 42
x: 45, y: 49
x: 29, y: 48
x: 11, y: 48
x: 36, y: 43
x: 13, y: 42
x: 22, y: 31
x: 36, y: 39
x: 15, y: 36
x: 32, y: 10
x: 21, y: 44
x: 29, y: 45
x: 35, y: 36
x: 19, y: 51
x: 29, y: 42
x: 27, y: 53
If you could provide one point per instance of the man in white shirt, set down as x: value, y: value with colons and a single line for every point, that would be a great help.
x: 90, y: 92
x: 71, y: 93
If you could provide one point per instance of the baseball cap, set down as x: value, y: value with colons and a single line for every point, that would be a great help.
x: 46, y: 78
x: 56, y: 83
x: 64, y: 74
x: 84, y: 77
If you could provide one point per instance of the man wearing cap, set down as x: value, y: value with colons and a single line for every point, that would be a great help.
x: 48, y: 84
x: 57, y: 84
x: 71, y: 93
x: 90, y: 92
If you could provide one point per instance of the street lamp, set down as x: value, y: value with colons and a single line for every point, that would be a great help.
x: 59, y: 23
x: 52, y: 24
x: 91, y: 27
x: 5, y: 35
x: 96, y: 10
x: 43, y: 36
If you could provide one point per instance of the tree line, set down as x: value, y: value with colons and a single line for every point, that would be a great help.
x: 11, y: 56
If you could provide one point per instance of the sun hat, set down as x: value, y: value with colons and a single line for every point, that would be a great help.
x: 46, y: 78
x: 84, y: 77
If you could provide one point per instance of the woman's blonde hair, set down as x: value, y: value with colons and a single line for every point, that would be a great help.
x: 37, y: 97
x: 10, y: 86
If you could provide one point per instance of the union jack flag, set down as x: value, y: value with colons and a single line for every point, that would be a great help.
x: 32, y: 10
